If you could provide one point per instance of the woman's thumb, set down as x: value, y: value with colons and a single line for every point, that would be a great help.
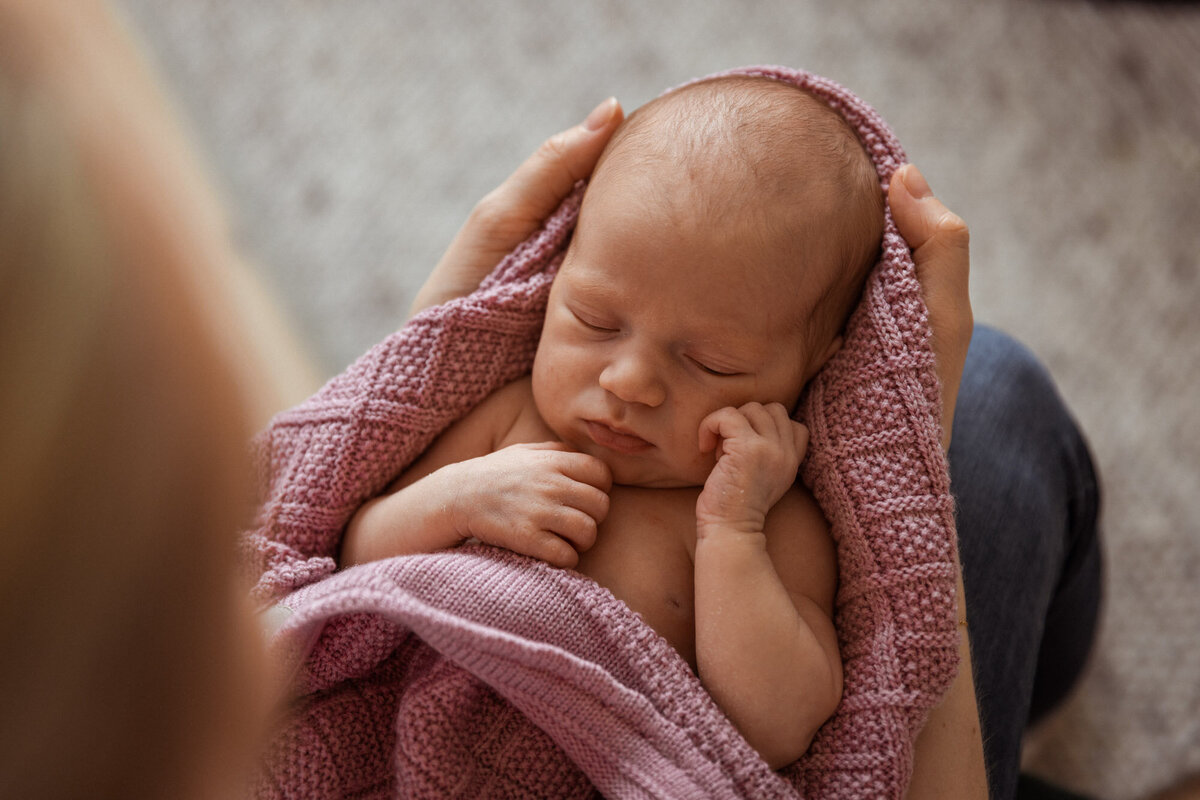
x: 537, y: 186
x: 924, y: 221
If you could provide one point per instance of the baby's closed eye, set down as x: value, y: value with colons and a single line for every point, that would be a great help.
x: 593, y: 323
x: 713, y: 368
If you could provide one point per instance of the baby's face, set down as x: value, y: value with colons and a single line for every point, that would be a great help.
x: 659, y: 317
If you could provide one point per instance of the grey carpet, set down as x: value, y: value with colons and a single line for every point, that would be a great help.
x: 353, y: 137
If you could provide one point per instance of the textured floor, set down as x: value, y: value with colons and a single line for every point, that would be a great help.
x: 352, y: 138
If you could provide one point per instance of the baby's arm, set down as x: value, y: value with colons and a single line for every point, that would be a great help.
x: 540, y: 499
x: 765, y: 576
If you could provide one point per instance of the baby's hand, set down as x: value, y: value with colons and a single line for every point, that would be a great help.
x: 542, y: 500
x: 759, y: 449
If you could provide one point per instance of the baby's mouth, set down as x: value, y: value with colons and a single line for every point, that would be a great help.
x: 613, y: 439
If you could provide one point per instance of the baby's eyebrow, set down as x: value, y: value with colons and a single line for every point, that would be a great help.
x: 742, y: 349
x: 579, y: 280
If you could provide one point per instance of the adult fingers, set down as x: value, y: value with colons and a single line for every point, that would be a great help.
x: 537, y: 186
x: 940, y: 242
x: 935, y: 233
x: 508, y: 214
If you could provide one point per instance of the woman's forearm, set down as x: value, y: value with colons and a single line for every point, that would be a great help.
x: 948, y: 756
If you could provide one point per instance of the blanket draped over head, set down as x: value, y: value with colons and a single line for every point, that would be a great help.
x: 477, y: 672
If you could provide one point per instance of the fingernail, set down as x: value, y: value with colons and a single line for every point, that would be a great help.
x: 916, y: 184
x: 600, y: 115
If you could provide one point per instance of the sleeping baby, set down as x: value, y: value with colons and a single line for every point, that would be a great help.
x: 722, y: 242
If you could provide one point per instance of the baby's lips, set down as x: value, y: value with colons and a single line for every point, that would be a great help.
x: 619, y: 441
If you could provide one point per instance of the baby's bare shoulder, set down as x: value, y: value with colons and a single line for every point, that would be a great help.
x: 496, y: 416
x: 482, y: 430
x: 516, y: 416
x: 512, y: 396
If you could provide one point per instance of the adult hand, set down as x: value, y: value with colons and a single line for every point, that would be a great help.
x: 940, y: 243
x: 516, y: 208
x: 948, y: 755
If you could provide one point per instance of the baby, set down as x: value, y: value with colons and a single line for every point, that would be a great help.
x: 723, y: 240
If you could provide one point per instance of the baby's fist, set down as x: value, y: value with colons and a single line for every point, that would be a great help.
x: 759, y: 449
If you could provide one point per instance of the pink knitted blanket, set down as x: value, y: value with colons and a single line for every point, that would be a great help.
x: 477, y: 672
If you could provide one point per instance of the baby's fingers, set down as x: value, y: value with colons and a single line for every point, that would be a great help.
x: 556, y: 534
x: 587, y: 470
x: 799, y: 438
x: 770, y: 421
x: 577, y: 527
x: 724, y: 423
x: 541, y: 544
x: 773, y: 423
x: 560, y: 458
x: 587, y: 500
x: 582, y: 483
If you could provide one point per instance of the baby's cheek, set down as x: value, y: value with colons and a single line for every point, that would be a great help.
x: 700, y: 465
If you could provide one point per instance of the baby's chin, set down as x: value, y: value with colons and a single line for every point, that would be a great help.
x: 628, y: 472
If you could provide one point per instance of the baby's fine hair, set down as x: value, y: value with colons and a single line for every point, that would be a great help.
x: 787, y: 144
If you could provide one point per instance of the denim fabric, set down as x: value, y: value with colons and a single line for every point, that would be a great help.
x: 1027, y: 506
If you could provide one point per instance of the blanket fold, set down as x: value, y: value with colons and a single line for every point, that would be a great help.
x: 617, y: 700
x: 476, y: 671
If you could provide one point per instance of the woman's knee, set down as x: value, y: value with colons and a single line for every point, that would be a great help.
x: 1006, y: 387
x: 1018, y: 455
x: 1009, y: 402
x: 1027, y: 501
x: 1012, y: 423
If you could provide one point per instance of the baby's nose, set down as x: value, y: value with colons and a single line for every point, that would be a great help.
x: 632, y: 378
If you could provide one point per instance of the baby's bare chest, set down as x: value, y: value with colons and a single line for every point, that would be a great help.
x: 644, y: 548
x: 644, y: 555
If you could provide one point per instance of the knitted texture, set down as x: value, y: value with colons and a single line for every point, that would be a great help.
x: 478, y: 672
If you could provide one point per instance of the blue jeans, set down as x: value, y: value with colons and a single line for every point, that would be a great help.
x: 1027, y: 506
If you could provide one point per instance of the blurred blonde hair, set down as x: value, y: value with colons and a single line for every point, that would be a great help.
x: 127, y: 657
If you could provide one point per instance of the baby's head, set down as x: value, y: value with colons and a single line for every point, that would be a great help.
x: 763, y: 164
x: 722, y: 243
